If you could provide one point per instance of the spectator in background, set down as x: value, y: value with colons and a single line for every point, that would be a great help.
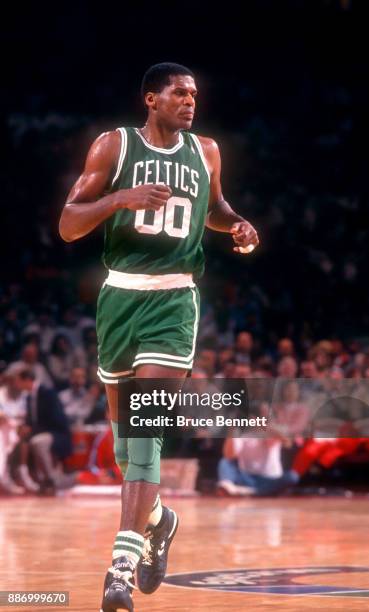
x: 21, y: 458
x: 78, y: 402
x: 224, y: 356
x: 44, y: 327
x: 285, y: 348
x: 264, y: 364
x: 308, y: 369
x: 86, y: 354
x: 206, y: 360
x: 98, y: 414
x: 352, y: 372
x: 340, y: 355
x: 12, y: 416
x: 49, y: 434
x: 287, y: 367
x: 243, y: 348
x: 29, y: 360
x: 322, y: 355
x: 291, y: 415
x: 311, y: 384
x: 252, y: 466
x: 69, y: 326
x: 241, y: 370
x: 60, y: 361
x: 227, y: 370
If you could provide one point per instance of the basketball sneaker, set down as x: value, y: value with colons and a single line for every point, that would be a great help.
x: 118, y: 586
x: 152, y: 566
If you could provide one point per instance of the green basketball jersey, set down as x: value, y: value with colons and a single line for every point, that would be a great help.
x: 166, y: 241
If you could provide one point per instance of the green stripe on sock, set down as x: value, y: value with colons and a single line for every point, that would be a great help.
x: 129, y: 540
x: 136, y: 551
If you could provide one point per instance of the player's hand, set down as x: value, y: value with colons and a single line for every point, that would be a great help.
x: 143, y: 197
x: 245, y: 237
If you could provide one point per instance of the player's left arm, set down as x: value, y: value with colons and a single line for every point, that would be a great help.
x: 221, y: 217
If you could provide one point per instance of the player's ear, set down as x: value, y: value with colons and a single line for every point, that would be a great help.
x: 150, y: 100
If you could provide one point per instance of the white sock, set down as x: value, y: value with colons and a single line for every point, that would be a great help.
x: 128, y: 544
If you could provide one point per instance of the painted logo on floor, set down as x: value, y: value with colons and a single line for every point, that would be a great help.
x: 278, y: 581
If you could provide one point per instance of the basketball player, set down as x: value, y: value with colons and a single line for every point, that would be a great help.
x: 155, y: 188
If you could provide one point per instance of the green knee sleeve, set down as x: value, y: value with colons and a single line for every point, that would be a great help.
x: 144, y: 459
x: 138, y: 458
x: 120, y: 449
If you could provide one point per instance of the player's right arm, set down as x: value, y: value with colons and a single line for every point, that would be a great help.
x: 87, y: 206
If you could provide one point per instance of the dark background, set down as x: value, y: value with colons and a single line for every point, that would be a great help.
x: 283, y: 89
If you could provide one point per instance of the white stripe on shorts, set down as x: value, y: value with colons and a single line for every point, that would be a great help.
x: 172, y: 364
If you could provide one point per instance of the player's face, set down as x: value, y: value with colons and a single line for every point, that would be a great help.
x: 175, y: 104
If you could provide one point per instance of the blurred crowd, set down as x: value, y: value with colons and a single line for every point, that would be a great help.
x: 51, y: 401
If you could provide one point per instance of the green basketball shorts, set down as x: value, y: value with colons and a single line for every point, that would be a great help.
x: 152, y: 325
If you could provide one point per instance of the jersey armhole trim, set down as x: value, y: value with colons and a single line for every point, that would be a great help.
x: 201, y: 153
x: 122, y: 154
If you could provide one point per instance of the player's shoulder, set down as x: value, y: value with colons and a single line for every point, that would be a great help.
x: 108, y: 138
x: 208, y: 143
x: 211, y: 151
x: 205, y: 140
x: 106, y: 146
x: 210, y: 148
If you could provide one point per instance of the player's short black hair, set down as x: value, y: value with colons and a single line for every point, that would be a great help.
x: 158, y: 76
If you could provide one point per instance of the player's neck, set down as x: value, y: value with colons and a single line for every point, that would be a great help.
x: 159, y: 136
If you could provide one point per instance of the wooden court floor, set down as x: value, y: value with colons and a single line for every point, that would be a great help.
x: 65, y: 544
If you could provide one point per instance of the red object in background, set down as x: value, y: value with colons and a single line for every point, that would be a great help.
x: 102, y: 466
x: 325, y: 452
x: 82, y: 442
x: 105, y: 451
